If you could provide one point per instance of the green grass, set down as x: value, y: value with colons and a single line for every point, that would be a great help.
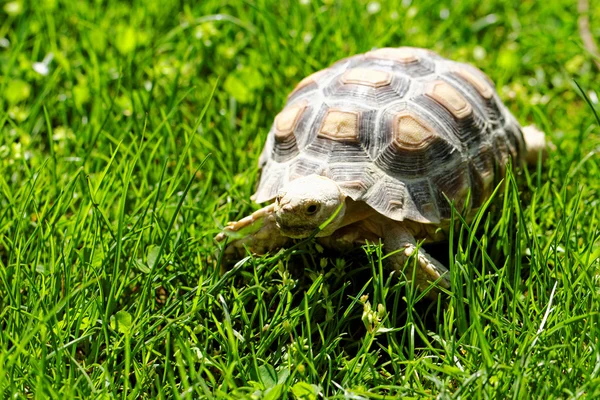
x: 119, y: 165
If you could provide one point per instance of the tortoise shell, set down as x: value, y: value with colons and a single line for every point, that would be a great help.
x: 402, y: 129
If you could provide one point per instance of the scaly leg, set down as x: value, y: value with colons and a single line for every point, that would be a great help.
x: 535, y: 140
x: 258, y: 232
x: 429, y: 269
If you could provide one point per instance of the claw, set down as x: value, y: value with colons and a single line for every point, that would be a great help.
x: 245, y: 226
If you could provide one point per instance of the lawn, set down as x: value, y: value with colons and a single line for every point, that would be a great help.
x: 130, y: 134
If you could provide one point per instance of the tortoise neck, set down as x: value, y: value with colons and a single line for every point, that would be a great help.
x: 356, y: 211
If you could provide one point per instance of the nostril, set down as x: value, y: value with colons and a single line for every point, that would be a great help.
x: 311, y: 209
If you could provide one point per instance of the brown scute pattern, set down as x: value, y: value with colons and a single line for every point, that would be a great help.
x: 416, y: 70
x: 289, y: 125
x: 285, y: 149
x: 416, y: 62
x: 402, y: 55
x: 309, y: 80
x: 366, y: 77
x: 489, y: 109
x: 416, y: 162
x: 307, y: 84
x: 449, y: 98
x: 410, y: 131
x: 373, y: 96
x: 478, y: 83
x: 313, y: 124
x: 479, y: 73
x: 410, y: 127
x: 469, y: 130
x: 340, y: 125
x: 287, y: 119
x: 384, y: 125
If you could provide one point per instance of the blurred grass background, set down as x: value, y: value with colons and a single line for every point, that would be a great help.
x: 130, y: 132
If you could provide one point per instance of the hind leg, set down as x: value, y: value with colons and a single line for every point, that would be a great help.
x: 428, y: 269
x: 536, y: 143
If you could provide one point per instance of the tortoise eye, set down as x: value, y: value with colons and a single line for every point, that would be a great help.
x: 311, y: 209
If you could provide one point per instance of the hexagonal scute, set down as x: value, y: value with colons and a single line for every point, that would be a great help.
x: 406, y: 60
x: 287, y: 120
x: 340, y: 125
x: 403, y: 55
x: 411, y: 132
x: 480, y: 92
x: 372, y: 86
x: 463, y: 132
x: 416, y: 162
x: 366, y: 77
x: 446, y: 95
x: 480, y: 85
x: 308, y: 82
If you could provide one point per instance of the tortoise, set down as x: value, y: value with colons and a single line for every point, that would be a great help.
x: 378, y: 146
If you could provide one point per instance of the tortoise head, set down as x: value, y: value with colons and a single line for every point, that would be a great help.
x: 306, y: 203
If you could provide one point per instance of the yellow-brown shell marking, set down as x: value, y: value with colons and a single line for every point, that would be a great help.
x: 340, y: 125
x: 404, y: 55
x: 482, y: 87
x: 309, y: 80
x: 286, y: 121
x: 443, y: 93
x: 411, y: 132
x: 367, y: 77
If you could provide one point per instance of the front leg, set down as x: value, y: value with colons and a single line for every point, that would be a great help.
x: 429, y: 270
x: 258, y: 232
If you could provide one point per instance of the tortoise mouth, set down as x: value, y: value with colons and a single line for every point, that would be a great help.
x: 296, y: 231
